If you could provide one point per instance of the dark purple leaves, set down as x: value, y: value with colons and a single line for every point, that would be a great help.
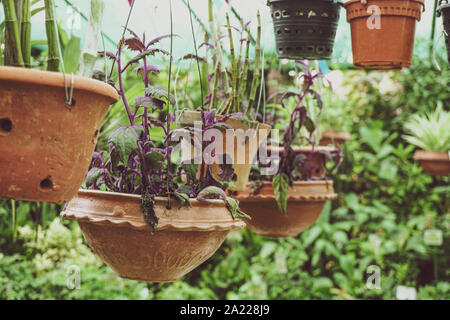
x: 148, y: 102
x: 135, y: 44
x: 154, y: 160
x: 161, y: 94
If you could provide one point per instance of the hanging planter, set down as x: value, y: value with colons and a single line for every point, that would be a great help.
x: 306, y: 201
x: 248, y: 149
x: 334, y: 138
x: 114, y: 227
x: 433, y: 162
x: 388, y: 45
x: 444, y: 10
x: 305, y: 29
x: 46, y: 145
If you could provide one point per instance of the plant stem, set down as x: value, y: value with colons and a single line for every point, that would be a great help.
x: 233, y: 67
x: 93, y: 33
x: 14, y: 219
x: 13, y: 52
x: 257, y: 72
x: 52, y: 37
x: 121, y: 86
x: 433, y: 27
x: 26, y: 33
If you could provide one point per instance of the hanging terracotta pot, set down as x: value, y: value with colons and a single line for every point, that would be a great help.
x: 334, y: 138
x: 383, y: 32
x: 315, y: 159
x: 444, y: 10
x: 305, y: 29
x: 242, y: 153
x: 114, y: 228
x: 46, y: 145
x: 306, y: 201
x: 433, y: 162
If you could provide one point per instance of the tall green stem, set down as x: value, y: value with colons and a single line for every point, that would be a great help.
x: 52, y: 37
x: 13, y: 51
x: 433, y: 27
x: 14, y: 219
x: 257, y: 72
x: 93, y: 34
x: 25, y: 33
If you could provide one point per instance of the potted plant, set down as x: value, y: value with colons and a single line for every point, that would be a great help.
x: 305, y: 29
x: 444, y: 10
x: 286, y: 199
x: 383, y: 32
x: 231, y: 99
x: 49, y: 121
x: 431, y: 133
x: 149, y: 217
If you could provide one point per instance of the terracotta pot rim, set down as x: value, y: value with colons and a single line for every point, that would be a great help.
x: 298, y: 149
x: 346, y: 4
x: 165, y: 224
x: 385, y: 11
x: 56, y: 79
x: 431, y: 155
x: 297, y: 197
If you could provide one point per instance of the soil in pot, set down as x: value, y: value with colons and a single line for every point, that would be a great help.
x: 389, y: 41
x: 334, y: 138
x: 305, y: 29
x: 242, y: 153
x: 444, y: 11
x: 46, y: 145
x: 306, y: 201
x: 433, y: 162
x: 114, y: 228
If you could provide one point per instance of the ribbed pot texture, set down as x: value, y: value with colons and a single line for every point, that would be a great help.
x: 115, y: 229
x: 389, y: 44
x: 305, y: 29
x: 46, y: 145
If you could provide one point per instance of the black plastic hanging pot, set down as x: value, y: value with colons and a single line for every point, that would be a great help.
x: 444, y: 10
x: 305, y: 29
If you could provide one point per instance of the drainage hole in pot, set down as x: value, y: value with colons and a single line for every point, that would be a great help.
x: 320, y: 49
x: 279, y: 31
x: 287, y: 30
x: 311, y: 48
x: 286, y: 14
x: 6, y: 125
x: 277, y: 14
x: 46, y: 184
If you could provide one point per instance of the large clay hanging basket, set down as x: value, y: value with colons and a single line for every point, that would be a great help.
x: 46, y: 146
x: 390, y: 45
x: 114, y: 228
x: 305, y: 29
x: 334, y: 138
x: 435, y: 163
x: 444, y: 10
x: 306, y: 201
x: 242, y: 154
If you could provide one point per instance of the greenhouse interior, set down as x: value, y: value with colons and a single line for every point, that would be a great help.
x: 225, y: 150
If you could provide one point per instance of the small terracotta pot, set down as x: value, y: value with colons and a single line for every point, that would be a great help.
x: 306, y: 201
x: 389, y: 47
x: 315, y: 162
x: 114, y: 228
x: 242, y: 154
x: 433, y: 162
x: 46, y: 146
x: 334, y: 138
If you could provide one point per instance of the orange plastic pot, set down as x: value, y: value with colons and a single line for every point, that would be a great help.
x: 389, y: 45
x: 334, y: 138
x: 306, y: 201
x: 46, y: 146
x: 114, y: 228
x: 433, y: 162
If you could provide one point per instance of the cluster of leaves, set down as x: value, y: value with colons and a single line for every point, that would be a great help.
x: 431, y: 131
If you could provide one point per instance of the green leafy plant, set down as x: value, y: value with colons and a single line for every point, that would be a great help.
x: 431, y: 131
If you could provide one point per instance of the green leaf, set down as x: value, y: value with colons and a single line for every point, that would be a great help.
x: 233, y: 206
x: 184, y: 198
x: 125, y: 140
x: 280, y: 185
x: 309, y: 125
x: 148, y: 102
x: 161, y: 94
x: 148, y: 209
x: 212, y: 191
x: 72, y: 55
x: 191, y: 170
x: 93, y: 175
x: 154, y: 160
